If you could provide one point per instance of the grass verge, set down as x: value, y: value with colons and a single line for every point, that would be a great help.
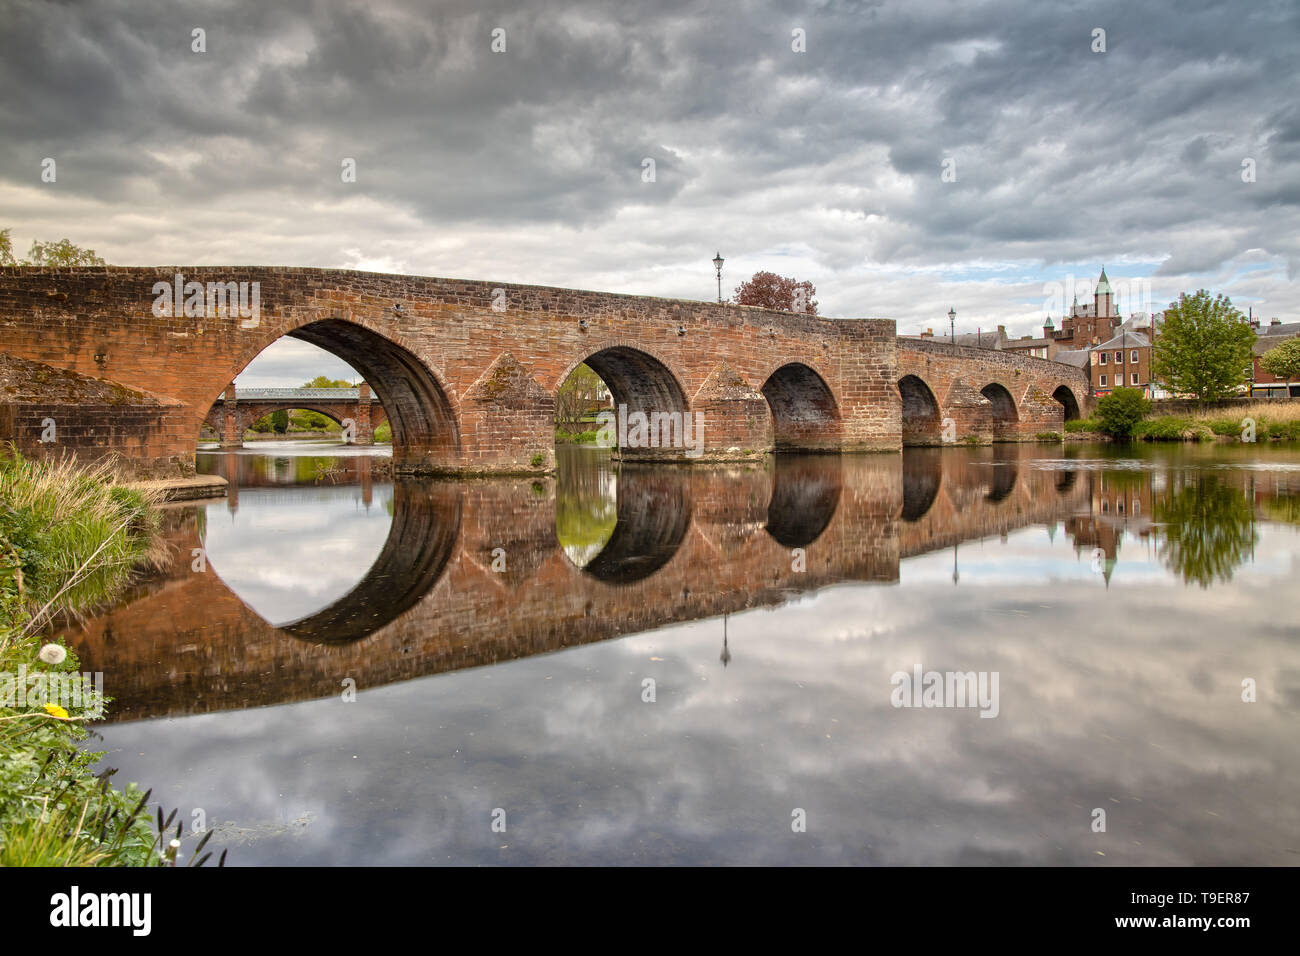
x: 70, y: 538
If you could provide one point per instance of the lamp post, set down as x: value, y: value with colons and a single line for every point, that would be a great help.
x: 952, y: 326
x: 717, y: 264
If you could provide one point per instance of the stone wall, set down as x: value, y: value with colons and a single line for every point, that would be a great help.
x: 466, y: 370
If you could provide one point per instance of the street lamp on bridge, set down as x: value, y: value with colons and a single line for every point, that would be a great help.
x: 717, y: 264
x: 952, y: 326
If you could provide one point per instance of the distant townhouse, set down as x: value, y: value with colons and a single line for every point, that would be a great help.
x: 1264, y: 384
x: 1123, y: 360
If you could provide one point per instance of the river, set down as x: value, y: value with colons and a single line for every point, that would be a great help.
x: 680, y: 665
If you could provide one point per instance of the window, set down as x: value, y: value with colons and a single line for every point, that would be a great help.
x: 1133, y: 379
x: 1103, y: 357
x: 1103, y: 381
x: 1133, y: 356
x: 1119, y: 357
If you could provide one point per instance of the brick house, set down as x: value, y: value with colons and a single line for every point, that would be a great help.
x: 1265, y: 384
x: 1123, y: 360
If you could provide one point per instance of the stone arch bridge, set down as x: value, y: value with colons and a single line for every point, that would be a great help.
x: 467, y: 371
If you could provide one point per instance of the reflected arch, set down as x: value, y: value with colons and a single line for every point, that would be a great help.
x: 424, y: 530
x: 922, y: 476
x: 805, y: 495
x: 1005, y: 474
x: 1006, y: 419
x: 805, y: 415
x: 654, y: 514
x: 920, y: 411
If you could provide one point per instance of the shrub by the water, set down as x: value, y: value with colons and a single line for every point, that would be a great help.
x: 1119, y: 412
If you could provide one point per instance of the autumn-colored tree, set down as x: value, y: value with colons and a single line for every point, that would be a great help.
x: 771, y: 291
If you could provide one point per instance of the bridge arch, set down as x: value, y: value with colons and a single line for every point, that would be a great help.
x: 805, y: 414
x: 920, y: 410
x: 426, y: 430
x: 1006, y: 417
x: 1068, y: 400
x: 639, y: 381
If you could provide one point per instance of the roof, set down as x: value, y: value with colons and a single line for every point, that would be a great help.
x: 1284, y: 329
x: 1026, y: 343
x: 1266, y: 343
x: 1126, y: 340
x: 1076, y: 357
x: 1103, y: 284
x: 988, y: 339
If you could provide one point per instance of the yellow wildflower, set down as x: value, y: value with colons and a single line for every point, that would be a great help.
x: 54, y: 710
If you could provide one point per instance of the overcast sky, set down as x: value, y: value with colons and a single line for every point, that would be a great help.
x: 528, y: 165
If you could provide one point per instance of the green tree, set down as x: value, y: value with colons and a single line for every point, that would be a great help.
x: 1203, y: 347
x: 1121, y: 410
x: 61, y: 254
x: 1283, y: 360
x: 580, y: 394
x: 1208, y: 529
x: 320, y: 381
x: 280, y: 421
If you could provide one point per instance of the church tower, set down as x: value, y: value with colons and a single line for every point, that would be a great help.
x: 1103, y: 298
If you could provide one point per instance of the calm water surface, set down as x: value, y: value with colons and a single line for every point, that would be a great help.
x: 502, y: 637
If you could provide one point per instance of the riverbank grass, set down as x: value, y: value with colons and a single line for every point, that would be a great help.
x: 70, y: 538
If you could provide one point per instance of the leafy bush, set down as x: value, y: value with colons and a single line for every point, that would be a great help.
x: 1082, y: 425
x: 1224, y: 426
x: 1168, y: 428
x: 1172, y: 428
x: 1287, y: 431
x: 1120, y: 411
x: 1049, y: 436
x: 384, y: 433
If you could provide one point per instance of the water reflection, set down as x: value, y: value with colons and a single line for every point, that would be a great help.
x: 441, y: 575
x: 653, y: 515
x: 1121, y: 594
x: 1208, y: 529
x: 586, y: 504
x: 805, y: 495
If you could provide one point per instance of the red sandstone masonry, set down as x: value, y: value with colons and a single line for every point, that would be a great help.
x: 470, y: 388
x: 436, y: 363
x: 957, y: 378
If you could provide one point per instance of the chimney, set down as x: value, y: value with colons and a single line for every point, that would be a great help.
x: 928, y: 334
x: 1002, y: 331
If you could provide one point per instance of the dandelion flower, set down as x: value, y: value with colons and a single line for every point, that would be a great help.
x: 54, y: 710
x: 53, y: 654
